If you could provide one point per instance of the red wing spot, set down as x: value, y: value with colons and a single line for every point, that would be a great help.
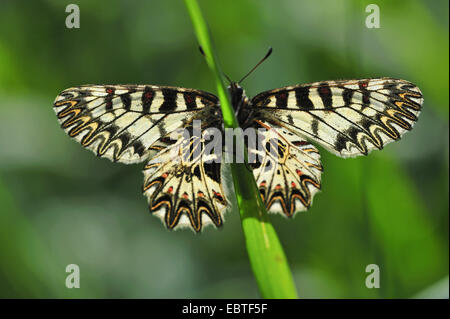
x: 278, y: 187
x: 185, y: 195
x: 293, y: 184
x: 299, y: 172
x: 148, y: 95
x: 189, y: 99
x: 218, y: 195
x: 263, y: 184
x: 324, y: 90
x: 170, y: 190
x: 363, y: 85
x: 109, y: 91
x: 164, y: 175
x: 200, y: 194
x: 300, y: 143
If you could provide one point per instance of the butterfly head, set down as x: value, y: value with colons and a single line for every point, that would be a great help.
x: 238, y: 98
x: 239, y: 101
x: 237, y: 94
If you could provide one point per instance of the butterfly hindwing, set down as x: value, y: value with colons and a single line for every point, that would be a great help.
x: 120, y: 122
x: 287, y: 170
x: 183, y: 185
x: 348, y: 118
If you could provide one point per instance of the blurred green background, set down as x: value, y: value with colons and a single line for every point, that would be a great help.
x: 61, y: 205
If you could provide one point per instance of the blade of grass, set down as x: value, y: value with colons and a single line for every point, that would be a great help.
x: 267, y: 258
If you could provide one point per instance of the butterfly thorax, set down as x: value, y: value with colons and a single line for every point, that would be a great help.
x: 240, y: 103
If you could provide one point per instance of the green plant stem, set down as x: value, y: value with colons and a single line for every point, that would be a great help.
x: 267, y: 258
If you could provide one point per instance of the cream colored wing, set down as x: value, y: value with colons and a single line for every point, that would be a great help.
x: 348, y: 118
x: 120, y: 122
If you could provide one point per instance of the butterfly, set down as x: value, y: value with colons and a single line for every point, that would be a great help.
x: 135, y: 123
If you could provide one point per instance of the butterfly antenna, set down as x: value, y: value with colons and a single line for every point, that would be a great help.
x: 257, y: 64
x: 228, y: 78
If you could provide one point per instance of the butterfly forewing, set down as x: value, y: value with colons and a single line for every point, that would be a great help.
x: 120, y: 122
x: 348, y: 118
